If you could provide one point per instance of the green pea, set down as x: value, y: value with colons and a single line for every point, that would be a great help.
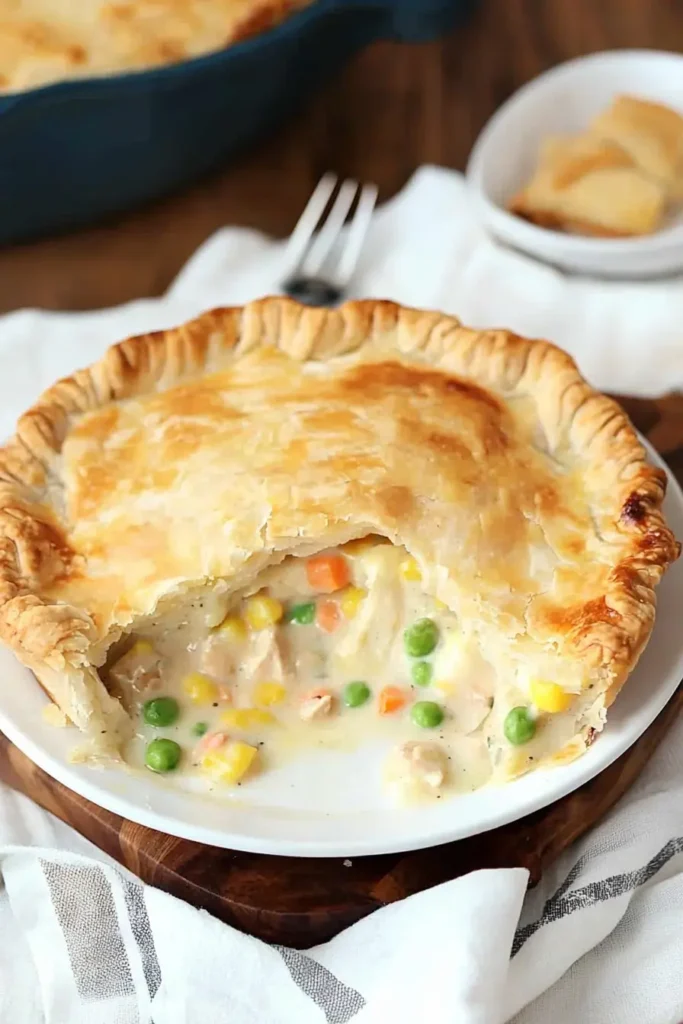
x: 356, y: 694
x: 199, y: 728
x: 426, y: 714
x: 302, y: 614
x: 422, y: 673
x: 160, y: 712
x: 162, y: 755
x: 421, y: 638
x: 519, y: 727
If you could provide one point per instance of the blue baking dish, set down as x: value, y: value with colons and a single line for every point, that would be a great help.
x: 76, y: 151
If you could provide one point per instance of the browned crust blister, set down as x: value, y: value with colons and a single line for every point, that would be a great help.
x: 626, y: 493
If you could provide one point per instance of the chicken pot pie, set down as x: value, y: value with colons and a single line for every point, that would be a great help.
x: 43, y: 41
x: 617, y: 179
x: 279, y: 522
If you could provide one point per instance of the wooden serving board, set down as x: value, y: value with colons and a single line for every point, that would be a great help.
x: 304, y: 901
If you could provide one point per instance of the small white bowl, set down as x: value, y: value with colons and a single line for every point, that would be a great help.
x: 561, y: 101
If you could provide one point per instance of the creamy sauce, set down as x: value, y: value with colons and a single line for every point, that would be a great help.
x: 260, y: 687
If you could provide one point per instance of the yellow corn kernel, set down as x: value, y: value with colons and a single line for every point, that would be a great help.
x: 446, y: 686
x: 142, y: 647
x: 549, y: 696
x: 230, y: 762
x: 247, y: 718
x: 266, y: 694
x: 263, y: 611
x: 200, y: 689
x: 350, y: 601
x: 232, y: 628
x: 410, y: 570
x: 440, y: 605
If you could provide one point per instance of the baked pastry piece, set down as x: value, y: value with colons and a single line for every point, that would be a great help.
x: 44, y: 41
x: 616, y: 179
x: 183, y: 481
x: 589, y: 185
x: 652, y: 135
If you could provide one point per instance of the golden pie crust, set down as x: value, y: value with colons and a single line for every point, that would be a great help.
x: 214, y: 450
x: 43, y: 41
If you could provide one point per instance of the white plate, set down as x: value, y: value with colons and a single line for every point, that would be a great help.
x: 329, y: 804
x: 564, y: 101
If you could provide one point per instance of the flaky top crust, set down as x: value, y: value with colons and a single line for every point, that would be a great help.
x: 216, y: 449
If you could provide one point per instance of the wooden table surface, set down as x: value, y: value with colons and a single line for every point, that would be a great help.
x: 394, y: 108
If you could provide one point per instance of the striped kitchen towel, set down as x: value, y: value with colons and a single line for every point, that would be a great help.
x: 600, y: 940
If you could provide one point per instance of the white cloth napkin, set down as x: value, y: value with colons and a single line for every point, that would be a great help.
x: 599, y: 940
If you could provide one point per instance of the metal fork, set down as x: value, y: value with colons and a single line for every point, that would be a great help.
x: 319, y: 267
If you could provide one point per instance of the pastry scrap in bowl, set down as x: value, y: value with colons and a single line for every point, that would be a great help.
x: 620, y: 178
x: 277, y: 527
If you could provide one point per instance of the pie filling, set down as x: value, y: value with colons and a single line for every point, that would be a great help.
x: 337, y: 649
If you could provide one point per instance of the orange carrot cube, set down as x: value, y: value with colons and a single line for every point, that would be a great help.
x: 328, y: 616
x: 391, y: 699
x: 327, y: 573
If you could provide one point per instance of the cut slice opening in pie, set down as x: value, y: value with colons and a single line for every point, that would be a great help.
x: 277, y: 526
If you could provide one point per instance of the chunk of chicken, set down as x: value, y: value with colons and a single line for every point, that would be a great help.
x: 219, y: 657
x: 270, y: 658
x: 262, y: 657
x: 138, y: 669
x: 374, y: 629
x: 426, y: 762
x: 316, y: 705
x: 467, y: 680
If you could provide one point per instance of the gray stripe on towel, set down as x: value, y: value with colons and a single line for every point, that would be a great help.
x: 84, y: 906
x: 338, y: 1002
x: 563, y: 903
x: 142, y: 931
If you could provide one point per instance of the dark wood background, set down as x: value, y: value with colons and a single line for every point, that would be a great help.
x: 394, y: 108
